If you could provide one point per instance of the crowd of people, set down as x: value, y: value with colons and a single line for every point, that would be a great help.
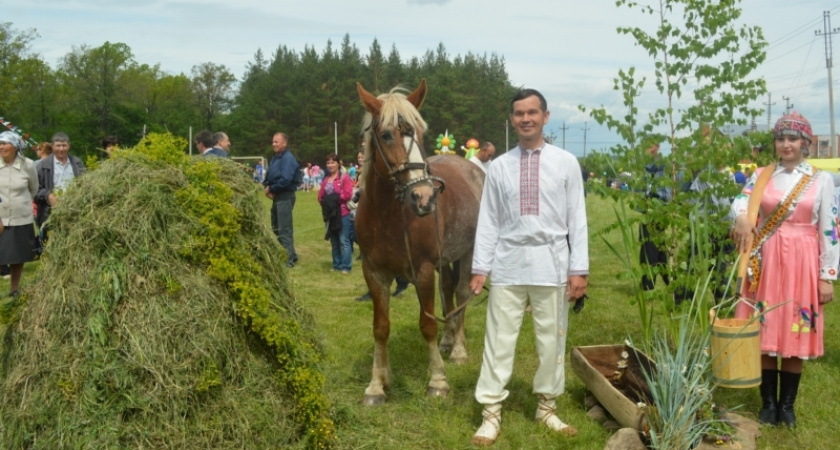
x: 28, y: 191
x: 212, y: 144
x: 532, y: 209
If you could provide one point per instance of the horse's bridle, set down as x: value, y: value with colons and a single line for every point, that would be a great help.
x: 404, y: 129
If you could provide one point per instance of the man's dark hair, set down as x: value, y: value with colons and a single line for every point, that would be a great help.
x: 525, y: 93
x: 218, y: 136
x: 110, y: 140
x: 205, y: 137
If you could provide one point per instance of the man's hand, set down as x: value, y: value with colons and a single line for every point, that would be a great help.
x: 268, y: 193
x: 477, y: 283
x: 576, y: 287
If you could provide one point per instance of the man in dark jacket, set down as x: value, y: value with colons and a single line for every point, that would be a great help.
x: 55, y: 172
x: 221, y: 145
x: 281, y: 182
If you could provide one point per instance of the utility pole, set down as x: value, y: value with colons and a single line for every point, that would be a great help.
x: 827, y: 32
x: 564, y: 128
x: 788, y: 104
x: 769, y: 103
x: 585, y: 129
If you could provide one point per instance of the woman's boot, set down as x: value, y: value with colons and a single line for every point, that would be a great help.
x: 789, y: 385
x: 769, y: 382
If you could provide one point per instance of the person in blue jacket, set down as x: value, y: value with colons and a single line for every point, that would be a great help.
x: 281, y: 181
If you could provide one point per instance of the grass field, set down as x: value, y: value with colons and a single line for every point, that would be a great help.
x: 410, y: 420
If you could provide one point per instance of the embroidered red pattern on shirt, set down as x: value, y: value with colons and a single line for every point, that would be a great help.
x: 529, y: 183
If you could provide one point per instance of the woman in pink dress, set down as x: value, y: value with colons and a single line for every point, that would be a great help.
x: 795, y: 265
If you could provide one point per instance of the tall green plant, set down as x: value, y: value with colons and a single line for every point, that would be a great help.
x: 702, y: 64
x: 681, y: 383
x: 625, y: 251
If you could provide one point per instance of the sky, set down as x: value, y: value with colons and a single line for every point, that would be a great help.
x: 568, y: 50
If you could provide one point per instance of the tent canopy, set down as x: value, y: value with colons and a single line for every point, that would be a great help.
x: 830, y: 164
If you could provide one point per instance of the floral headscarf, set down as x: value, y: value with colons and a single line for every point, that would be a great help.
x: 793, y: 125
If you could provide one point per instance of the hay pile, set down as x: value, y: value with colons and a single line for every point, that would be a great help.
x: 128, y: 339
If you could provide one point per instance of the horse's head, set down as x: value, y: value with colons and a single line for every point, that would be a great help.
x: 394, y: 145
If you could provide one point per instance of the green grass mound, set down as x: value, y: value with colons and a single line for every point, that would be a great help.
x: 161, y: 317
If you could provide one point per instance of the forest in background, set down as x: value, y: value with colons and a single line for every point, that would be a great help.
x: 310, y: 95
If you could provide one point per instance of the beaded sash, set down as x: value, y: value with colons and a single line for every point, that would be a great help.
x: 781, y: 212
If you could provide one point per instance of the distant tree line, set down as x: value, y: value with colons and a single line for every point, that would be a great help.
x: 310, y: 95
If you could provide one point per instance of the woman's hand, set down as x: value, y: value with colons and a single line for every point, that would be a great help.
x: 743, y: 233
x: 826, y: 290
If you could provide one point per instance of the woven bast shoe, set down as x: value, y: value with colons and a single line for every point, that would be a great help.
x: 545, y: 414
x: 491, y: 426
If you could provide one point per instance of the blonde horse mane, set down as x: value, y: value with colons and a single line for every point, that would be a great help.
x: 395, y: 106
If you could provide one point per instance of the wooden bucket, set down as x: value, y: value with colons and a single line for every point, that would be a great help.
x: 736, y: 352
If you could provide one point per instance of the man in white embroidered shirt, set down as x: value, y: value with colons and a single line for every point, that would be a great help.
x: 532, y: 239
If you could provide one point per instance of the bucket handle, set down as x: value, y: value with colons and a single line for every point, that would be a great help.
x: 713, y: 311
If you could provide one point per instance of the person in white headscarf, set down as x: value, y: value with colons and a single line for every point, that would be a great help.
x: 18, y: 186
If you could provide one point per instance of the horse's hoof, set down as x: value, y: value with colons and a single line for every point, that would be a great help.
x: 437, y: 392
x: 373, y: 400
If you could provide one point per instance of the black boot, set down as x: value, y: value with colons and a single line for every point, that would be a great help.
x: 769, y: 383
x: 789, y: 385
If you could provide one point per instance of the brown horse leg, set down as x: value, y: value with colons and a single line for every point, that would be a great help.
x: 381, y: 375
x: 447, y: 288
x: 438, y: 387
x: 453, y: 341
x: 463, y: 294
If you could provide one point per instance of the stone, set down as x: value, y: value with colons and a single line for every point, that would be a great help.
x: 747, y: 431
x: 612, y: 425
x: 597, y: 414
x: 589, y: 401
x: 625, y: 439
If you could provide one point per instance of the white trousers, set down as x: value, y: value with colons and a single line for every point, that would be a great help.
x: 505, y: 310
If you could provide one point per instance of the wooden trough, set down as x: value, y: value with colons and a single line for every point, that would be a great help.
x: 619, y: 386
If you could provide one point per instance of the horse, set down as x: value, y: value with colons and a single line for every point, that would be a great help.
x: 416, y: 216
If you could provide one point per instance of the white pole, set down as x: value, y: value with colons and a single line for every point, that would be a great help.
x: 335, y: 130
x: 191, y: 141
x: 833, y: 141
x: 826, y: 33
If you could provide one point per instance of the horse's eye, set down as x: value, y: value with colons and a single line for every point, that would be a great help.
x: 387, y: 136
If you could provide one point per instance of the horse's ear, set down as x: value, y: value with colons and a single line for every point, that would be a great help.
x: 372, y: 104
x: 416, y: 98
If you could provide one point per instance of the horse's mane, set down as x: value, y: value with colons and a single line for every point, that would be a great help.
x: 395, y: 106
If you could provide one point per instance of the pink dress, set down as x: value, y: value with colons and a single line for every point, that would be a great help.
x: 792, y: 325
